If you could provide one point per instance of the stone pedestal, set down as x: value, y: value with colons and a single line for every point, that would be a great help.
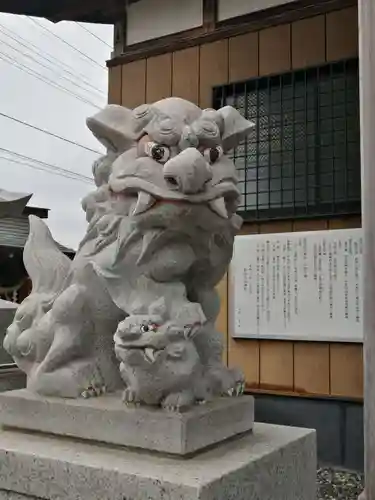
x: 106, y: 419
x: 265, y: 463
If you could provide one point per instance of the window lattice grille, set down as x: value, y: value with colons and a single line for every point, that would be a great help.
x: 303, y: 156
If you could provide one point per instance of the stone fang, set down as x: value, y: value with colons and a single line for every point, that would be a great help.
x: 218, y: 206
x: 150, y: 354
x: 144, y: 202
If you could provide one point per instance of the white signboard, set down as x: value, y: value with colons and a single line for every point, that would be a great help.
x: 297, y: 286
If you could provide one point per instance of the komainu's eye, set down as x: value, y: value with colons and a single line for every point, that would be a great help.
x: 144, y: 328
x: 157, y: 152
x: 212, y: 155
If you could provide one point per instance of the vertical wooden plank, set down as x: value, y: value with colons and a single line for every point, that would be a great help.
x: 244, y: 354
x: 185, y: 74
x: 158, y: 77
x: 311, y: 368
x: 222, y: 319
x: 249, y: 228
x: 276, y: 365
x: 346, y: 223
x: 310, y: 225
x: 243, y: 57
x: 346, y: 370
x: 134, y: 84
x: 213, y: 69
x: 114, y: 84
x: 276, y: 227
x: 308, y: 42
x: 342, y: 34
x: 274, y: 50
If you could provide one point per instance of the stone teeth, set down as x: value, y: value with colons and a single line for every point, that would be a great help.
x: 144, y: 202
x: 150, y: 354
x: 218, y: 206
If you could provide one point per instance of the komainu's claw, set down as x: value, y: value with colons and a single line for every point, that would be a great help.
x: 129, y: 397
x: 240, y: 388
x: 178, y: 401
x: 171, y: 408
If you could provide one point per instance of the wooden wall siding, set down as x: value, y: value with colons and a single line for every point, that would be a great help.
x: 133, y: 85
x: 191, y: 73
x: 274, y: 50
x: 185, y: 78
x: 308, y: 38
x: 298, y: 367
x: 342, y: 34
x: 240, y: 67
x: 158, y: 77
x: 115, y: 85
x: 213, y: 70
x: 346, y: 373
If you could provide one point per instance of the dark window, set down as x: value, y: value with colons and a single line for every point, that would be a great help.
x: 303, y: 156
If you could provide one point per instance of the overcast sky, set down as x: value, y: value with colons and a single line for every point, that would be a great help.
x: 26, y: 47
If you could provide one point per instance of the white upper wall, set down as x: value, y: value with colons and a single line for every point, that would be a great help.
x: 234, y: 8
x: 150, y: 19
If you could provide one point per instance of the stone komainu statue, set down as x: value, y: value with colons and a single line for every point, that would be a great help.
x: 136, y: 308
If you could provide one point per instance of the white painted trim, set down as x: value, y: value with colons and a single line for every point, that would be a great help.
x: 150, y: 19
x: 227, y: 9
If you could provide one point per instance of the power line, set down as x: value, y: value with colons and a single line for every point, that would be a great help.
x: 22, y: 67
x: 28, y: 56
x: 65, y: 42
x: 53, y: 60
x: 35, y: 167
x: 49, y: 57
x: 43, y: 169
x: 4, y: 115
x: 93, y: 34
x: 44, y: 164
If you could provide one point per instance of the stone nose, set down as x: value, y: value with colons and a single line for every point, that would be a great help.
x: 187, y: 172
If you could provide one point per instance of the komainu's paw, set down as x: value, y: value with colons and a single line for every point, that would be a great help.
x: 238, y: 390
x: 96, y: 387
x: 225, y: 381
x: 234, y: 383
x: 129, y: 397
x: 178, y: 401
x: 93, y: 391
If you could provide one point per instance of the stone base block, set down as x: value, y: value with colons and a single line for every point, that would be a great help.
x: 107, y: 419
x: 271, y: 463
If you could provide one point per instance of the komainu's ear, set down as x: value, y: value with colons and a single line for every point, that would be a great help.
x: 236, y: 127
x: 158, y: 308
x: 113, y: 127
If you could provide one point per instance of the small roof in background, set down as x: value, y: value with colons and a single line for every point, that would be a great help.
x: 13, y: 204
x: 14, y: 221
x: 93, y: 11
